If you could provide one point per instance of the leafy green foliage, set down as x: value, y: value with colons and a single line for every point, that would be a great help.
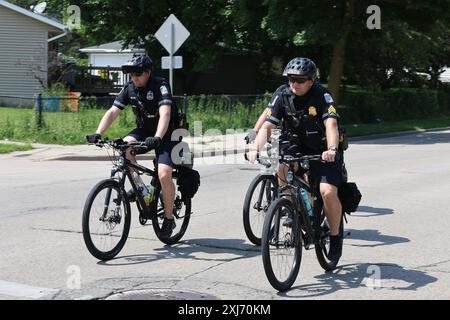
x: 414, y: 35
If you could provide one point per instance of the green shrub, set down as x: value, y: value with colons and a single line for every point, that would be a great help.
x: 57, y: 89
x: 393, y: 105
x: 444, y: 100
x: 225, y: 112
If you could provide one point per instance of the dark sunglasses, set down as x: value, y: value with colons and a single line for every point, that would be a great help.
x: 136, y: 74
x: 297, y: 80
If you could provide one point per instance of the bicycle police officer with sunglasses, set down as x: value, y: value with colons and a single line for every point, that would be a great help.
x: 308, y: 110
x: 151, y: 99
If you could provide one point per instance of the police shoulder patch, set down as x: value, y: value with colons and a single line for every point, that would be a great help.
x: 164, y: 90
x: 328, y: 98
x: 331, y: 109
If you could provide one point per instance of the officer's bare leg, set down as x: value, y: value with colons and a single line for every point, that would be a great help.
x: 332, y: 206
x: 168, y: 188
x: 129, y: 155
x: 282, y: 173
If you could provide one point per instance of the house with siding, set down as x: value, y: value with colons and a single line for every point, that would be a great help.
x: 24, y: 40
x: 445, y: 76
x: 110, y: 54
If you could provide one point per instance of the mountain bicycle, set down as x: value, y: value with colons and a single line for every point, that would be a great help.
x: 261, y: 192
x: 107, y: 212
x: 288, y: 226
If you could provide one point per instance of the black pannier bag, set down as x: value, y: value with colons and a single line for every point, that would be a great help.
x: 188, y: 182
x: 350, y: 196
x: 178, y: 117
x: 343, y: 140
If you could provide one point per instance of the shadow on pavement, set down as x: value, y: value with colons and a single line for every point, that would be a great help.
x: 373, y: 277
x: 419, y: 138
x: 375, y: 236
x: 192, y: 249
x: 368, y: 211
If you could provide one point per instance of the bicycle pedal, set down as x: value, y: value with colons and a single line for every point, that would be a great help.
x: 307, y: 243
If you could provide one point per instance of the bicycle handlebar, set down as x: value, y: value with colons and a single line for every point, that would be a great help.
x: 120, y: 144
x: 262, y: 161
x: 289, y: 158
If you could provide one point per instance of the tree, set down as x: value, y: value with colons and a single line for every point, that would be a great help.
x: 413, y: 37
x: 339, y: 29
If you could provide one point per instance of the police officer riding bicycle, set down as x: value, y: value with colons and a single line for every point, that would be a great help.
x: 151, y: 99
x: 307, y: 111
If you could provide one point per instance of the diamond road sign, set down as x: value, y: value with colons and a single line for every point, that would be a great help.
x: 172, y: 34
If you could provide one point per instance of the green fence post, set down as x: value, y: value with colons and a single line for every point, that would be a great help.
x: 39, y: 109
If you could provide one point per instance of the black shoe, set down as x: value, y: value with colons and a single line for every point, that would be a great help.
x: 335, y: 248
x: 167, y: 227
x: 131, y: 195
x: 288, y: 221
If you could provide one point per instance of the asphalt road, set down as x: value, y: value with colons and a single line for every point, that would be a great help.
x: 398, y: 247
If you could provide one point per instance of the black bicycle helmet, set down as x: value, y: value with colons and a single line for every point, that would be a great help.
x: 301, y: 67
x: 138, y: 63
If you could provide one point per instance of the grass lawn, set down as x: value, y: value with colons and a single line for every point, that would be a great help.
x: 10, y: 147
x: 71, y: 128
x: 389, y: 127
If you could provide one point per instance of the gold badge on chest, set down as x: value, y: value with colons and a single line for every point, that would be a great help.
x: 312, y: 111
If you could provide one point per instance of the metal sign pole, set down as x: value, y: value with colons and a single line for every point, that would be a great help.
x: 171, y: 35
x: 172, y: 46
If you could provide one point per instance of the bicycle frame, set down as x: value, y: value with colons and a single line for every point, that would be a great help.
x: 302, y: 218
x: 122, y: 170
x: 265, y: 188
x: 124, y: 167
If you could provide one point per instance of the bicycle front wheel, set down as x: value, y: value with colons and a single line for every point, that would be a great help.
x: 106, y: 220
x: 281, y: 245
x: 260, y: 194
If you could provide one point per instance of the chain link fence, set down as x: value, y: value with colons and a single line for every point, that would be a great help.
x: 213, y: 111
x: 74, y: 102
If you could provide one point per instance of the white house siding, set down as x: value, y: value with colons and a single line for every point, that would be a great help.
x: 23, y: 54
x: 445, y: 76
x: 109, y: 59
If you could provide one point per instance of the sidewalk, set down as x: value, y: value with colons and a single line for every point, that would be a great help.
x: 203, y: 147
x: 212, y: 146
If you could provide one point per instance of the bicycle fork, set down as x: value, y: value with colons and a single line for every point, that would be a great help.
x: 118, y: 201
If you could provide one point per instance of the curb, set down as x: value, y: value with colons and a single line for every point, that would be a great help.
x: 240, y: 151
x: 206, y: 154
x: 395, y: 134
x: 218, y: 153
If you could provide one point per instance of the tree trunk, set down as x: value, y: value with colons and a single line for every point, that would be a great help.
x: 435, y: 73
x: 337, y: 68
x: 338, y: 58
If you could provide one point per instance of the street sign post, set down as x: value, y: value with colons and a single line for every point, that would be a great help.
x: 166, y: 62
x: 172, y: 34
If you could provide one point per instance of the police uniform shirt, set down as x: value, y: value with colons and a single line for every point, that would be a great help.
x: 146, y: 101
x: 311, y: 110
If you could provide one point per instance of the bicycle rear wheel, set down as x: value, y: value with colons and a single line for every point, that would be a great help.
x: 323, y: 247
x: 181, y: 214
x: 281, y: 245
x: 260, y: 194
x: 106, y: 220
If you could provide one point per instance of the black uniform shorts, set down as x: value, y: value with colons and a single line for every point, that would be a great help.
x: 163, y: 152
x: 322, y: 172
